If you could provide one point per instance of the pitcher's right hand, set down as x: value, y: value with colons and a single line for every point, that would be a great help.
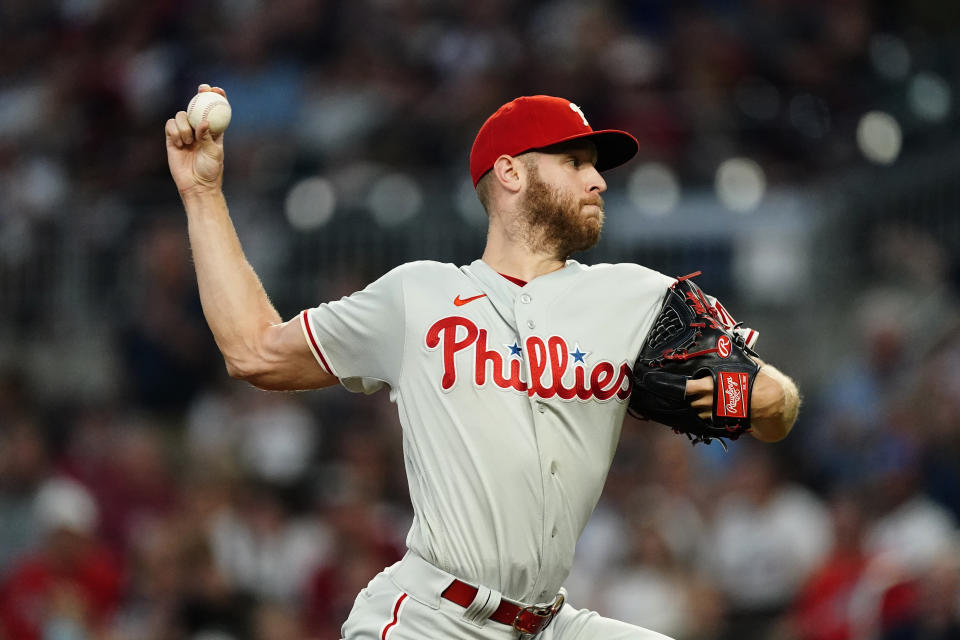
x: 195, y: 157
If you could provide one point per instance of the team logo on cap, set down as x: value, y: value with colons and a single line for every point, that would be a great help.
x: 580, y: 113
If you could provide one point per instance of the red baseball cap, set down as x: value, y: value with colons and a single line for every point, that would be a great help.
x: 535, y: 122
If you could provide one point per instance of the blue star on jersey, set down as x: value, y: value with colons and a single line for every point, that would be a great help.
x: 578, y: 355
x: 515, y: 349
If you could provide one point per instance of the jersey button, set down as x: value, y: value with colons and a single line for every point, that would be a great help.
x: 553, y: 534
x: 541, y: 407
x: 525, y: 298
x: 531, y: 324
x: 553, y: 467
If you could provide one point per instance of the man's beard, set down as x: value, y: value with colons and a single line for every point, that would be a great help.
x: 554, y: 221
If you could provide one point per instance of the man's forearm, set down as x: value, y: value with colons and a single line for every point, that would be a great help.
x: 234, y: 302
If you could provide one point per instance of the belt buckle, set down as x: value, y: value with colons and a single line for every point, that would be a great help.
x: 533, y: 619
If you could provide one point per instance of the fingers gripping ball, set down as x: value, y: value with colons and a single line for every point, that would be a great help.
x: 212, y: 107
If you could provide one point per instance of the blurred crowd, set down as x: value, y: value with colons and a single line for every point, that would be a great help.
x: 172, y: 503
x: 344, y: 89
x: 241, y: 514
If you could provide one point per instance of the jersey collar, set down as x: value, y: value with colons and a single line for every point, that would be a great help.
x: 502, y: 291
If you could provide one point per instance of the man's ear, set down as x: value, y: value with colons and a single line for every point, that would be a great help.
x: 510, y: 173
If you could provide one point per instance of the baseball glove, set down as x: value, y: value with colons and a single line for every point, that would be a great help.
x: 688, y: 340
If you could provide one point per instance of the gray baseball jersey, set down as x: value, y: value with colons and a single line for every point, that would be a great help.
x: 511, y: 400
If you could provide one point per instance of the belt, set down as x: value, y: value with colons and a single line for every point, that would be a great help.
x: 531, y: 620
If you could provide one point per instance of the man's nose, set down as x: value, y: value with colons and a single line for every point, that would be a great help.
x: 595, y: 182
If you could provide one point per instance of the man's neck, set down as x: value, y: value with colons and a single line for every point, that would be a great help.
x: 519, y: 262
x: 514, y: 249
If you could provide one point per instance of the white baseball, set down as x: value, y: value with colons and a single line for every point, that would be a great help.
x: 212, y: 107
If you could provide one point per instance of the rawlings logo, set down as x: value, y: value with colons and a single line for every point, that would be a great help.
x: 732, y: 394
x: 723, y: 346
x: 549, y: 361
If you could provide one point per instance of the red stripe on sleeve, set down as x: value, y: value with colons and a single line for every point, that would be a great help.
x: 313, y: 343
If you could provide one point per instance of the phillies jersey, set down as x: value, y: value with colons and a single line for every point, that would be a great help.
x: 511, y: 399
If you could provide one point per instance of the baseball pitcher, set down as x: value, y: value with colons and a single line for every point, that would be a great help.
x: 511, y: 374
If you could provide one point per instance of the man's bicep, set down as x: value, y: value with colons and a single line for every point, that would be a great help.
x: 291, y: 363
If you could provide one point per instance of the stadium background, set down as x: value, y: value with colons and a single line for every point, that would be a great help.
x: 802, y: 154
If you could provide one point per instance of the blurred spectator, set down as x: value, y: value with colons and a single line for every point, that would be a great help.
x: 122, y: 460
x: 682, y: 499
x: 601, y: 548
x: 24, y: 465
x: 897, y: 602
x: 766, y: 537
x: 14, y: 395
x: 273, y: 436
x: 853, y: 402
x: 168, y: 351
x: 264, y: 546
x: 824, y: 604
x: 908, y: 528
x: 135, y: 488
x: 933, y: 608
x: 277, y: 621
x: 365, y: 540
x: 366, y: 532
x: 931, y: 410
x: 156, y: 583
x: 652, y: 587
x: 211, y: 605
x: 69, y: 587
x: 160, y: 602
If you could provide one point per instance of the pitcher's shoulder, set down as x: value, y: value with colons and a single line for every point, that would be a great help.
x: 628, y: 274
x: 424, y: 268
x: 426, y: 276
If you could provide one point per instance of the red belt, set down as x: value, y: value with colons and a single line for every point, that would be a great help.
x: 532, y: 619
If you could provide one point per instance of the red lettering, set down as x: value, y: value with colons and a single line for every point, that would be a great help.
x: 483, y: 357
x: 537, y: 356
x: 445, y: 329
x: 551, y: 357
x: 515, y: 380
x: 583, y: 391
x: 600, y: 377
x: 559, y: 356
x: 626, y: 375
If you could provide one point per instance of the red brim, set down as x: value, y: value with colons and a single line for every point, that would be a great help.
x: 614, y: 147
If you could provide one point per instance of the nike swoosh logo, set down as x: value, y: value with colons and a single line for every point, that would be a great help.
x: 462, y: 301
